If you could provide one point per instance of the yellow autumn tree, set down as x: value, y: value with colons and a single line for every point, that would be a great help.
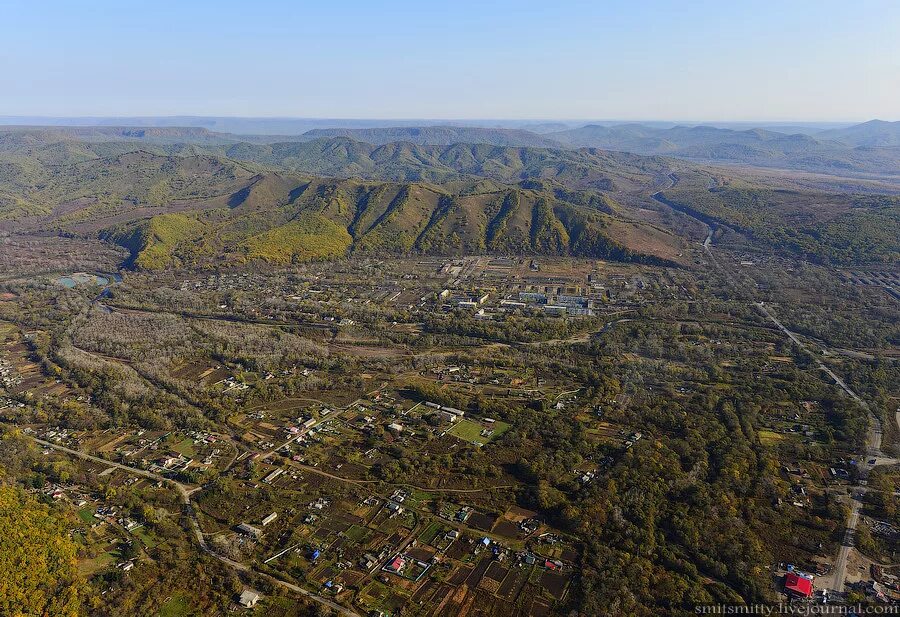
x: 38, y: 575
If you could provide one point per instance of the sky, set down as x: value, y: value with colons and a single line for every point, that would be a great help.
x: 685, y: 60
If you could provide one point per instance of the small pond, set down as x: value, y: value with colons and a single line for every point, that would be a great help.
x: 83, y: 278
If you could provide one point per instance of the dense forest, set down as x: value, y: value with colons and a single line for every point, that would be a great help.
x: 37, y: 558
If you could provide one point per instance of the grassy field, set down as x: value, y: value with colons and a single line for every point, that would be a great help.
x: 87, y: 567
x: 768, y: 438
x: 145, y: 537
x: 356, y: 533
x: 430, y: 532
x: 178, y: 605
x: 471, y: 431
x: 87, y: 516
x: 185, y: 447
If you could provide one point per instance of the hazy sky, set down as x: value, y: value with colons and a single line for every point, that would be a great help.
x: 679, y: 60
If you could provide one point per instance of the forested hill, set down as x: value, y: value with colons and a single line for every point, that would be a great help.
x: 824, y: 228
x: 871, y: 134
x: 38, y: 574
x: 870, y: 148
x: 279, y: 218
x: 404, y: 161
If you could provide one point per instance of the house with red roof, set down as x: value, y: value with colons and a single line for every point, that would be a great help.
x: 797, y: 586
x: 396, y: 564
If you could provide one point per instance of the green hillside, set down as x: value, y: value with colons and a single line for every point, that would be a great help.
x: 281, y: 219
x: 69, y: 188
x: 174, y: 204
x: 25, y: 158
x: 312, y: 236
x: 155, y: 243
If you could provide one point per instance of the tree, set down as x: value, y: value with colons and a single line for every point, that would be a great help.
x: 864, y: 540
x: 38, y: 574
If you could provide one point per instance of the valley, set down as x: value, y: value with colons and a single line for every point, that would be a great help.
x: 459, y: 379
x: 467, y: 309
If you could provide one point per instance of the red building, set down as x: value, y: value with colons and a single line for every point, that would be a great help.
x: 797, y: 586
x: 397, y: 564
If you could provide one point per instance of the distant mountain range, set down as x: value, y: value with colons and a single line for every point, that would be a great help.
x: 868, y: 149
x: 292, y: 126
x: 401, y: 161
x: 441, y: 136
x: 872, y: 148
x: 284, y: 127
x: 872, y: 134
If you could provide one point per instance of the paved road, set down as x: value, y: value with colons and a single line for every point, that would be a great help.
x: 97, y: 459
x: 839, y: 576
x: 185, y: 494
x: 873, y: 438
x: 873, y: 451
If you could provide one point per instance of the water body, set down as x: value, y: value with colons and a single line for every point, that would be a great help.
x: 83, y: 278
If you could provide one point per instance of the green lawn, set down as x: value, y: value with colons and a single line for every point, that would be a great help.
x: 185, y: 447
x: 768, y: 438
x: 100, y: 562
x: 430, y: 532
x: 421, y: 496
x: 381, y: 597
x: 179, y: 605
x: 356, y: 533
x: 87, y: 516
x: 273, y: 606
x: 471, y: 431
x: 145, y: 537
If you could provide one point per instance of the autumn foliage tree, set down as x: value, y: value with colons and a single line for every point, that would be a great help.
x: 38, y: 573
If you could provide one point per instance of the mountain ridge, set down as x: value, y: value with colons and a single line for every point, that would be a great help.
x: 281, y: 219
x: 868, y: 149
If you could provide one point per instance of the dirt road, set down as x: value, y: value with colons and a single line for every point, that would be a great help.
x: 185, y: 493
